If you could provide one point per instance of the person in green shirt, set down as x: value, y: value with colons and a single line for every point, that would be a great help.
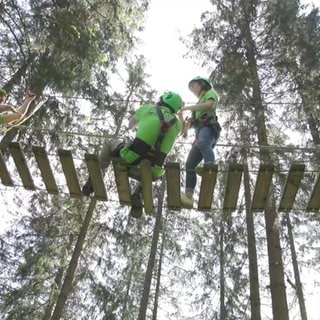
x: 207, y: 131
x: 157, y: 126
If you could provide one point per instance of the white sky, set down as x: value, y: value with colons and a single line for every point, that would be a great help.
x: 167, y: 20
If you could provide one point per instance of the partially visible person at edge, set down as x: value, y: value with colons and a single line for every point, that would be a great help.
x: 13, y: 114
x: 150, y: 142
x: 207, y: 132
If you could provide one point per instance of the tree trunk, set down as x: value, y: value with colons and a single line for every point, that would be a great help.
x: 56, y: 284
x: 157, y: 293
x: 152, y: 257
x: 252, y: 252
x: 67, y: 284
x: 277, y: 286
x: 223, y: 311
x: 298, y: 286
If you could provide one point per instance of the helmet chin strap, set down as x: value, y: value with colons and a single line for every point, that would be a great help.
x: 202, y: 92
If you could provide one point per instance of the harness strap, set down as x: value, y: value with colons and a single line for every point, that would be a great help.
x: 146, y: 152
x: 164, y: 127
x: 204, y: 120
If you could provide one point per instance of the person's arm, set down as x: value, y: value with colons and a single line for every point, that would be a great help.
x: 203, y: 106
x: 7, y: 107
x: 132, y: 123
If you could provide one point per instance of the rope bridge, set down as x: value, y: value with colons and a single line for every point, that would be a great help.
x: 232, y: 177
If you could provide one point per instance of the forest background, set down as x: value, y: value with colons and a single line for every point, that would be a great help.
x: 66, y: 258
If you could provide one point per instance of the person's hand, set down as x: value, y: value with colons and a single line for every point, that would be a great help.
x: 30, y: 94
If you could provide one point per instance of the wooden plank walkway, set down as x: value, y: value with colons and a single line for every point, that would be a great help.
x: 22, y: 166
x: 314, y: 201
x: 208, y: 182
x: 4, y: 172
x: 291, y: 187
x: 70, y: 172
x: 96, y: 176
x: 262, y: 187
x: 232, y: 177
x: 232, y: 188
x: 45, y: 169
x: 173, y: 185
x: 122, y: 181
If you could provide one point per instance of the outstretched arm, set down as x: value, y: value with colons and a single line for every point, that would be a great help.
x: 204, y: 106
x: 17, y: 114
x: 7, y: 107
x: 132, y: 123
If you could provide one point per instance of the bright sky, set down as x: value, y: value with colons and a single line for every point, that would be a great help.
x: 167, y: 20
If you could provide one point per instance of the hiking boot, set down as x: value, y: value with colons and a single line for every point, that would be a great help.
x: 87, y: 188
x: 186, y: 202
x: 136, y: 205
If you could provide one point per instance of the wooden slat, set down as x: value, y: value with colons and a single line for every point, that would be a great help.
x: 262, y: 187
x: 232, y: 187
x: 146, y: 181
x: 122, y: 181
x: 96, y: 176
x: 291, y: 187
x: 208, y: 182
x: 70, y: 172
x: 314, y: 201
x: 173, y: 185
x: 45, y: 169
x: 4, y: 173
x: 21, y: 164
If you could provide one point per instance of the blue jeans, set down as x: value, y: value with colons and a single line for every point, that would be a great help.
x: 202, y: 148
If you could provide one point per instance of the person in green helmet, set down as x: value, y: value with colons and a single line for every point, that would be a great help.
x: 157, y: 128
x: 11, y: 113
x: 207, y: 132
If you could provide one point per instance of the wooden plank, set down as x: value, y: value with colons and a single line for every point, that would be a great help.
x: 146, y: 181
x: 232, y: 187
x: 291, y: 187
x: 208, y: 182
x: 70, y: 173
x: 314, y: 201
x: 4, y: 173
x: 96, y: 176
x: 172, y: 170
x: 262, y: 187
x: 122, y: 181
x: 45, y: 169
x: 21, y: 164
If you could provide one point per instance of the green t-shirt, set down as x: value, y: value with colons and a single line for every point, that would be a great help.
x: 149, y: 127
x: 210, y: 94
x: 148, y: 130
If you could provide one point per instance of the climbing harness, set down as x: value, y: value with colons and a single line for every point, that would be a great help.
x: 154, y: 154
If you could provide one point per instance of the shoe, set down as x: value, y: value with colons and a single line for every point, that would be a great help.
x: 136, y: 205
x: 87, y: 188
x: 186, y: 202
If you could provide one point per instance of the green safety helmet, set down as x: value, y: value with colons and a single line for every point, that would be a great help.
x: 3, y: 92
x: 203, y: 80
x: 173, y: 100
